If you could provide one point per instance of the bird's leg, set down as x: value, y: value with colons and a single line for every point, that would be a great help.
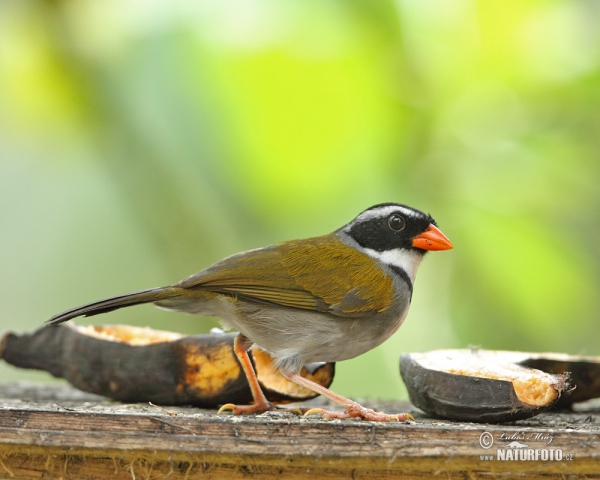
x: 353, y: 409
x: 241, y: 345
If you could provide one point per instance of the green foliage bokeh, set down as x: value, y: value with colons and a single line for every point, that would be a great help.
x: 142, y: 141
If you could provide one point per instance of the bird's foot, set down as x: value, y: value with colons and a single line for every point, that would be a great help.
x: 246, y: 409
x: 256, y: 408
x: 355, y: 410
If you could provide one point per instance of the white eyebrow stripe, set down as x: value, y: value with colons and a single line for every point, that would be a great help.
x: 385, y: 211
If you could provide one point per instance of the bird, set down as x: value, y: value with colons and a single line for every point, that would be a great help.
x: 321, y: 299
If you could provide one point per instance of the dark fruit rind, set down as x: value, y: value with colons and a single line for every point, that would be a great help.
x: 469, y: 396
x: 132, y: 364
x: 584, y: 374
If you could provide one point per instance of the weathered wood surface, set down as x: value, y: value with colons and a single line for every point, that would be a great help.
x: 54, y: 431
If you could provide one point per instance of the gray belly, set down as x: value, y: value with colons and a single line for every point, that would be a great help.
x: 297, y: 337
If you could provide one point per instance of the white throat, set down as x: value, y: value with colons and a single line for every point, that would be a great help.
x: 407, y: 260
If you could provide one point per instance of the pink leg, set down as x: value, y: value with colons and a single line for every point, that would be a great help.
x: 261, y: 404
x: 353, y: 409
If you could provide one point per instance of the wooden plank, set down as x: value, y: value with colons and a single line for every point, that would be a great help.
x: 56, y: 431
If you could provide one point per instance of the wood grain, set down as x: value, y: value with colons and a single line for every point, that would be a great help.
x: 54, y: 431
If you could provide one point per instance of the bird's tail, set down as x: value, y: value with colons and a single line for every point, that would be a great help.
x: 127, y: 300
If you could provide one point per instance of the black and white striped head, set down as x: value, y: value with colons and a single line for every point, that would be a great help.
x: 397, y: 235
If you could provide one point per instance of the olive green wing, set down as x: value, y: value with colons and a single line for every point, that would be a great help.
x: 320, y: 274
x: 257, y: 275
x: 350, y: 282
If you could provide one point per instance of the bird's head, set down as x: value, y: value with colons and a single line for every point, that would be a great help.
x: 397, y: 235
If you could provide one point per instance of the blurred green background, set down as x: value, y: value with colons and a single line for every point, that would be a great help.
x: 142, y: 141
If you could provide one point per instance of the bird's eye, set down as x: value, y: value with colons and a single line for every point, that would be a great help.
x: 396, y: 222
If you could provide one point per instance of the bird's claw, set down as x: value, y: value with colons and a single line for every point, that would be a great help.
x: 316, y: 411
x: 246, y: 409
x: 227, y: 406
x: 358, y: 411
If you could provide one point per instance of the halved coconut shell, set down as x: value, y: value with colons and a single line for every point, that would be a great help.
x: 478, y: 385
x: 134, y: 364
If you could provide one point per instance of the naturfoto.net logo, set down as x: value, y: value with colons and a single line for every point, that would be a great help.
x: 521, y: 446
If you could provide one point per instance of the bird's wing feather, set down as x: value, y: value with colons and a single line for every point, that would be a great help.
x: 341, y: 282
x: 355, y: 285
x: 257, y: 275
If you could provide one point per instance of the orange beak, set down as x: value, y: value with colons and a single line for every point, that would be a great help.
x: 432, y: 239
